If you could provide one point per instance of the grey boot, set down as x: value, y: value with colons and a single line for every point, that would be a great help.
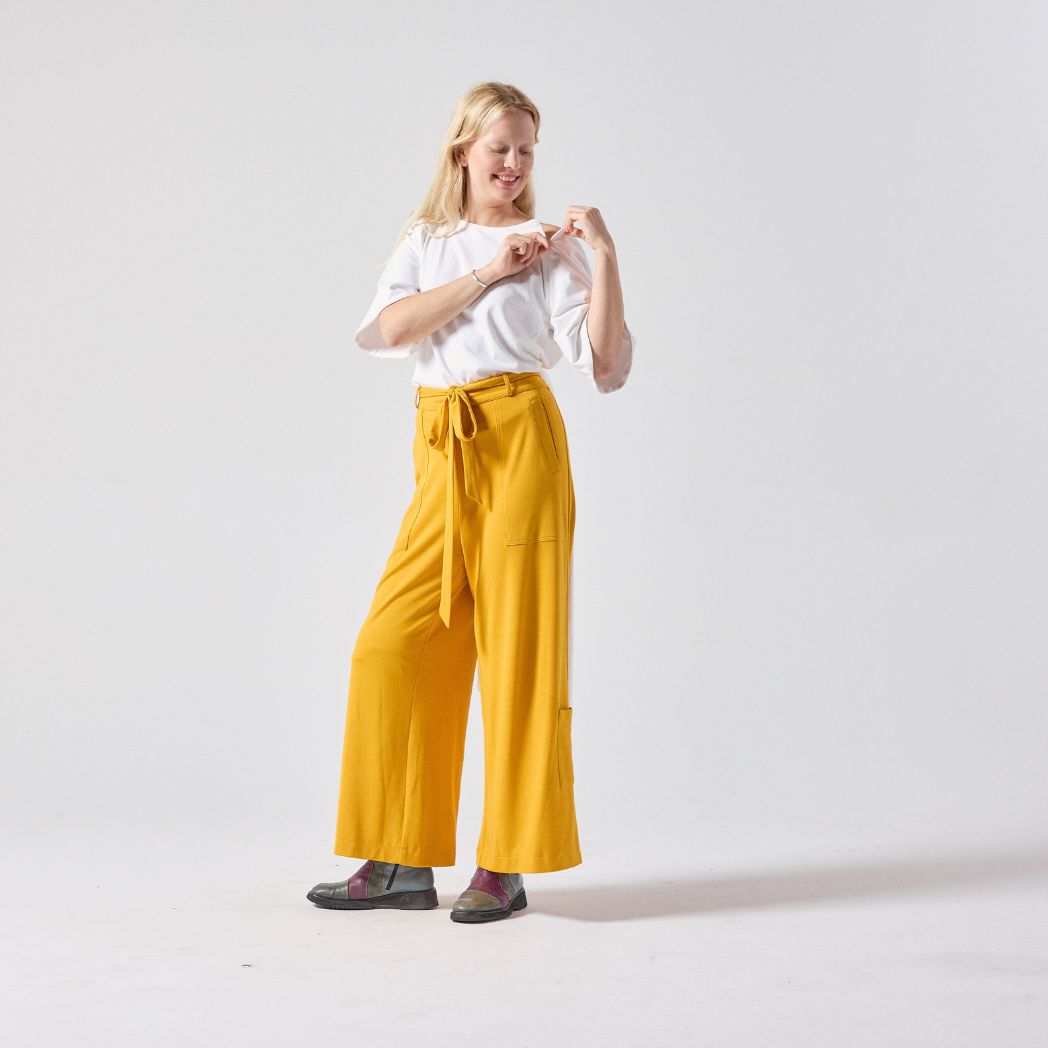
x: 378, y: 885
x: 490, y: 897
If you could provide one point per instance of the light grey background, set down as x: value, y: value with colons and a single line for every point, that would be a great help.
x: 810, y: 567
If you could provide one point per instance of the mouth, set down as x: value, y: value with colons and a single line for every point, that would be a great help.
x: 508, y: 181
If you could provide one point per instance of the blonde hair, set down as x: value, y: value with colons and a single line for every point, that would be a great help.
x: 444, y: 204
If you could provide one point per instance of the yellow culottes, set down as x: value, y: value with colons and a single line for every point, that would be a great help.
x: 479, y: 575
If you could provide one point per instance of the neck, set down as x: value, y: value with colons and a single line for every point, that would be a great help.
x: 491, y: 216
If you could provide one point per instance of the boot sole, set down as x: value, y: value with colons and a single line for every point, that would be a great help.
x: 423, y: 900
x: 518, y: 902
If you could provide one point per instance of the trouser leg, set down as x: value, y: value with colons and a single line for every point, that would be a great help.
x: 411, y: 679
x: 518, y: 557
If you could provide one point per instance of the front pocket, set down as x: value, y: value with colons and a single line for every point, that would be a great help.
x: 420, y: 453
x: 545, y: 432
x: 565, y: 764
x: 533, y: 484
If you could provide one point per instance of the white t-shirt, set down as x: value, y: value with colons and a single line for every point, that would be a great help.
x: 519, y: 323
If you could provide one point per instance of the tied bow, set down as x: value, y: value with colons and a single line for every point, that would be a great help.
x: 449, y: 432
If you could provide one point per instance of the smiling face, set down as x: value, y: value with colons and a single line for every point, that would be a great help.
x: 499, y: 163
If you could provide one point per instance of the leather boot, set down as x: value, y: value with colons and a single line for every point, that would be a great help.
x: 489, y: 897
x: 379, y: 885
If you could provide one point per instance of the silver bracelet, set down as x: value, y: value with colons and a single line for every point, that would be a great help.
x: 477, y: 279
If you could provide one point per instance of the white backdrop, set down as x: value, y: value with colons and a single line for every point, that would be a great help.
x: 811, y: 588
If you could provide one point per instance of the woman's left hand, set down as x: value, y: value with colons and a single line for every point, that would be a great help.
x: 587, y: 223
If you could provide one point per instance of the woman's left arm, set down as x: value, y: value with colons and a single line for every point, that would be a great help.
x: 606, y: 322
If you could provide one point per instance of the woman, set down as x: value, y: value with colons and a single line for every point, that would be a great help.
x: 483, y: 294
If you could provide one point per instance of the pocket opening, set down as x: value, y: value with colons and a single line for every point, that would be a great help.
x: 545, y: 433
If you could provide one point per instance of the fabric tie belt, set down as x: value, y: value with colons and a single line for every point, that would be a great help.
x: 456, y: 426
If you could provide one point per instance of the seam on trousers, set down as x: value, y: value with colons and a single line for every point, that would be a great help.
x: 411, y: 719
x: 356, y: 849
x: 553, y: 857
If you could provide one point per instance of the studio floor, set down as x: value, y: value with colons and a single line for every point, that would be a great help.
x: 190, y: 935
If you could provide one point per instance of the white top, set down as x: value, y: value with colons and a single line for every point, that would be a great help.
x: 519, y: 323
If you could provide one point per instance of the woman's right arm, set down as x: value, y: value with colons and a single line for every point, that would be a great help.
x: 411, y: 319
x: 401, y: 315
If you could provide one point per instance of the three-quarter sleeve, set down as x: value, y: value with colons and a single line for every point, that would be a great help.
x: 569, y: 286
x: 399, y: 278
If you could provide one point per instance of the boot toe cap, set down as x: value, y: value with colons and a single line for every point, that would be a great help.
x: 331, y: 890
x: 472, y: 899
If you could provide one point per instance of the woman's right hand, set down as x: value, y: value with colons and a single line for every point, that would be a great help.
x: 516, y: 253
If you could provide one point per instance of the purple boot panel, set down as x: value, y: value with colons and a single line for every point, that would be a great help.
x: 358, y: 883
x: 486, y: 881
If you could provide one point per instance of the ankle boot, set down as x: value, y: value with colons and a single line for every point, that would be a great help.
x: 490, y: 897
x: 379, y: 885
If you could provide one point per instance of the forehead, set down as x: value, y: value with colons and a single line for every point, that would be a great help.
x: 516, y: 126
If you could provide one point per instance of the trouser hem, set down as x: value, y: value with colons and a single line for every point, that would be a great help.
x: 396, y: 853
x: 527, y: 863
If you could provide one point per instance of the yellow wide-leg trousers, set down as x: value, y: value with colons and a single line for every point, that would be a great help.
x: 479, y: 577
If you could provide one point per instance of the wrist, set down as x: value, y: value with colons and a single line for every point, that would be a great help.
x: 486, y: 273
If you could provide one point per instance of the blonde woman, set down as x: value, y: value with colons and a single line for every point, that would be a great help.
x: 484, y: 296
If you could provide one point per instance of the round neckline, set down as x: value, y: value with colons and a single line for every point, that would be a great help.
x: 477, y: 225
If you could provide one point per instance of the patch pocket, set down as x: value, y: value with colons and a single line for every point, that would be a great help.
x: 420, y: 456
x: 545, y: 431
x: 565, y: 765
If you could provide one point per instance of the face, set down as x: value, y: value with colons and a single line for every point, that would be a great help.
x: 508, y: 150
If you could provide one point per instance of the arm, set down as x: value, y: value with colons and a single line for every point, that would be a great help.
x: 606, y: 322
x: 401, y: 315
x: 411, y: 319
x: 586, y: 301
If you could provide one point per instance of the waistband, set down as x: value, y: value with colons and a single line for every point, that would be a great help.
x: 504, y: 384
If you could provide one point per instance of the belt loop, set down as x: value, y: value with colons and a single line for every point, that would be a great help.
x: 509, y: 383
x: 418, y: 392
